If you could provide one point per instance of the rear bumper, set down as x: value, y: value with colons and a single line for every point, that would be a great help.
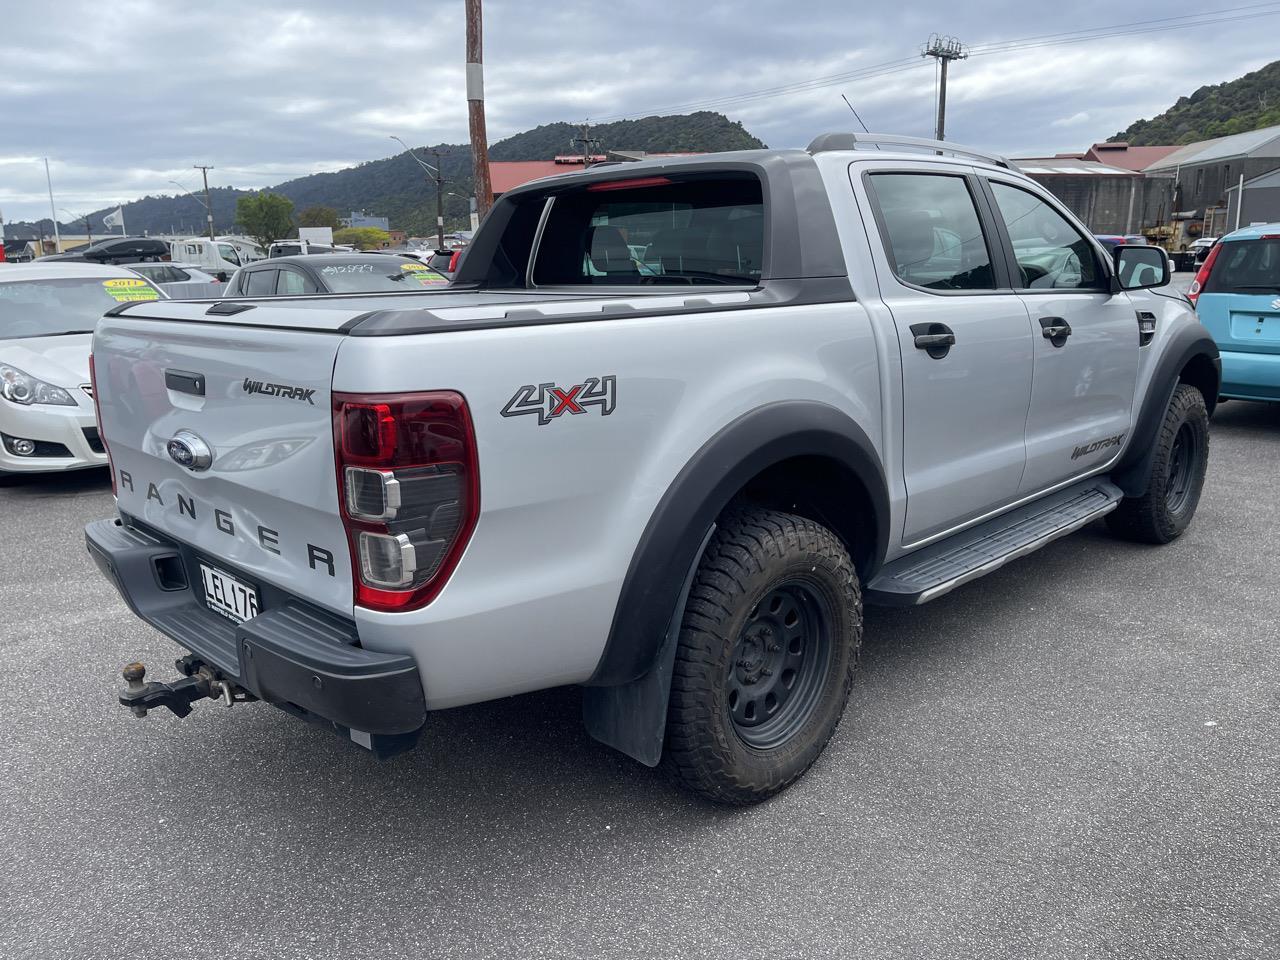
x: 292, y: 654
x: 1251, y: 376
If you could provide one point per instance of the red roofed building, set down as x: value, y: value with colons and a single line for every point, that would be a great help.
x: 509, y: 174
x: 1120, y: 154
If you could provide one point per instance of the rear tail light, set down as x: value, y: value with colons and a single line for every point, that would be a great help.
x: 97, y: 412
x: 409, y: 492
x: 453, y: 260
x: 1202, y: 275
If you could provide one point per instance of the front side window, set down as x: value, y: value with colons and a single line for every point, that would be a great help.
x: 1051, y: 253
x: 934, y: 237
x: 228, y: 253
x: 655, y: 231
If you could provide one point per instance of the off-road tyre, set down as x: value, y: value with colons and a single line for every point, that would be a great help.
x: 1177, y: 474
x: 761, y: 567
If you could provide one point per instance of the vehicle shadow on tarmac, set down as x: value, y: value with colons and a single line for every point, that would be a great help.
x: 67, y: 483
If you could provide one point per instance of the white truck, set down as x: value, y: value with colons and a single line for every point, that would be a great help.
x: 839, y: 376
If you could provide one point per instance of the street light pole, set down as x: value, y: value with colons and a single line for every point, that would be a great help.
x: 208, y: 201
x: 53, y: 213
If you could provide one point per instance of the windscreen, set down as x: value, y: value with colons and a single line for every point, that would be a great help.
x: 654, y: 231
x: 1246, y: 266
x: 49, y: 308
x: 379, y: 274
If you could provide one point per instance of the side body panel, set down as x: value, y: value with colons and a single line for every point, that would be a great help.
x: 565, y: 499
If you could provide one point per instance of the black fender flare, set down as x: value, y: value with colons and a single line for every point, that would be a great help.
x: 672, y: 541
x: 1189, y: 345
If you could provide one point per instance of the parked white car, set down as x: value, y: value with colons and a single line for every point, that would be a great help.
x: 180, y: 281
x: 220, y: 258
x: 47, y: 316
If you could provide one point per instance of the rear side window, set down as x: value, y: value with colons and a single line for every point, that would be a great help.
x: 292, y: 283
x: 654, y: 230
x: 935, y: 238
x: 260, y: 283
x: 1051, y: 253
x: 1246, y: 266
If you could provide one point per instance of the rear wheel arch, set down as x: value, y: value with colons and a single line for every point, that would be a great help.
x: 795, y: 456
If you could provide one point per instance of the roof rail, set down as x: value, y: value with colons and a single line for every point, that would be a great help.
x: 854, y: 141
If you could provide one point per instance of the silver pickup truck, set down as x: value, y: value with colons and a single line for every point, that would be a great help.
x: 671, y: 426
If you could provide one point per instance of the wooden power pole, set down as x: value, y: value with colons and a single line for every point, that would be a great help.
x: 475, y: 107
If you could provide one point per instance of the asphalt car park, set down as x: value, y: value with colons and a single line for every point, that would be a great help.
x: 1075, y: 756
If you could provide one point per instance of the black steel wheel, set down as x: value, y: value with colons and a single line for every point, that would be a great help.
x: 780, y: 664
x: 1178, y: 465
x: 766, y: 656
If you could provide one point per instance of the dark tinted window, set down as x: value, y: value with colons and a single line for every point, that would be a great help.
x: 935, y: 236
x: 1051, y: 253
x: 260, y: 283
x: 698, y: 231
x: 1246, y: 266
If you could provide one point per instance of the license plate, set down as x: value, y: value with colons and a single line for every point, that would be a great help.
x: 228, y: 596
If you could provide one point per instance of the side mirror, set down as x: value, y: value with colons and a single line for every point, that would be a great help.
x: 1141, y: 267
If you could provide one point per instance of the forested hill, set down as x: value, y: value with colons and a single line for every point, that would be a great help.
x: 1220, y: 110
x: 396, y: 186
x: 702, y: 132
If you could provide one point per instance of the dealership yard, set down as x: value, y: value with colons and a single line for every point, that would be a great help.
x: 1076, y: 756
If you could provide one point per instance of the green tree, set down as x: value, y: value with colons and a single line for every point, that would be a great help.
x: 318, y: 215
x: 363, y: 238
x: 266, y: 217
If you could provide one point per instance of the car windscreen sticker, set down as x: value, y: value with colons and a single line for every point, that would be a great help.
x: 125, y: 290
x: 423, y: 274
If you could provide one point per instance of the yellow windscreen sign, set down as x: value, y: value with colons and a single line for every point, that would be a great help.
x: 125, y: 290
x: 423, y: 274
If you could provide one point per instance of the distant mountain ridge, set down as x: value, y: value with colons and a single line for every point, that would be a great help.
x: 1238, y: 106
x: 396, y: 187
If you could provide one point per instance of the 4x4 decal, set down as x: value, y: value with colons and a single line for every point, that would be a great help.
x: 549, y: 401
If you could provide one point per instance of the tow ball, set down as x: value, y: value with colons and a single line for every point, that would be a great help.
x: 199, y: 682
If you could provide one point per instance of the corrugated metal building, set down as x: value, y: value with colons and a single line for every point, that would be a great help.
x: 1108, y: 199
x: 1206, y: 171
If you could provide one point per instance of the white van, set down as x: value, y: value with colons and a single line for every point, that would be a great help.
x: 219, y: 257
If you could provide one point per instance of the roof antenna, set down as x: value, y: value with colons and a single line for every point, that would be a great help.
x: 855, y: 113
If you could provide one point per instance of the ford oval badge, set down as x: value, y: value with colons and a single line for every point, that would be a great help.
x: 188, y: 450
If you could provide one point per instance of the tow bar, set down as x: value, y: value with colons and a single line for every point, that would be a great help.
x: 199, y: 682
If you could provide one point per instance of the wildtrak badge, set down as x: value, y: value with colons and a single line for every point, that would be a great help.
x: 282, y: 390
x: 1088, y: 448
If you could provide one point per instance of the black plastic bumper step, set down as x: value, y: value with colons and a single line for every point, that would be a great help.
x: 941, y: 567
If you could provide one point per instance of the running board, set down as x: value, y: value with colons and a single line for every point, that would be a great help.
x: 941, y: 567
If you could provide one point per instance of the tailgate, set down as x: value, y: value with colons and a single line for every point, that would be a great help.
x: 1253, y: 324
x: 259, y: 398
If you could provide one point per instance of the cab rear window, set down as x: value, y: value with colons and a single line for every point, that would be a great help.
x: 654, y: 231
x: 1246, y: 266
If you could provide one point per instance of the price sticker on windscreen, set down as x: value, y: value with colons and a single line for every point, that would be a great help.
x: 125, y: 290
x: 423, y: 274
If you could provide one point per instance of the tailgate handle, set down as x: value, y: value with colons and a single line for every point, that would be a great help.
x: 184, y: 382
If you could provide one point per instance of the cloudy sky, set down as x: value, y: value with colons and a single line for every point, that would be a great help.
x: 124, y: 96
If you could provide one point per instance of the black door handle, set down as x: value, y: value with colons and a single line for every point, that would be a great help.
x: 1055, y: 330
x: 936, y: 339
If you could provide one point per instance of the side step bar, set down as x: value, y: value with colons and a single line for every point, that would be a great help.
x: 941, y: 567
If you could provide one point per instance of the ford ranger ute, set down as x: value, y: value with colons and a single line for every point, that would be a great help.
x: 670, y: 428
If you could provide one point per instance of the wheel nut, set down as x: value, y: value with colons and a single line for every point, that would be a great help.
x: 766, y: 672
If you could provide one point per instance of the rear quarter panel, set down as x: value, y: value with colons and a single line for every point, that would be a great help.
x: 564, y: 503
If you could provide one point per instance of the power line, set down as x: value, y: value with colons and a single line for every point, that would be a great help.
x: 890, y: 67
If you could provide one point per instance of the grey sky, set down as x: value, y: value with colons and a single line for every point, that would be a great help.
x: 126, y: 95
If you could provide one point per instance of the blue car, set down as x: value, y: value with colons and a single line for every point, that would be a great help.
x: 1237, y: 295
